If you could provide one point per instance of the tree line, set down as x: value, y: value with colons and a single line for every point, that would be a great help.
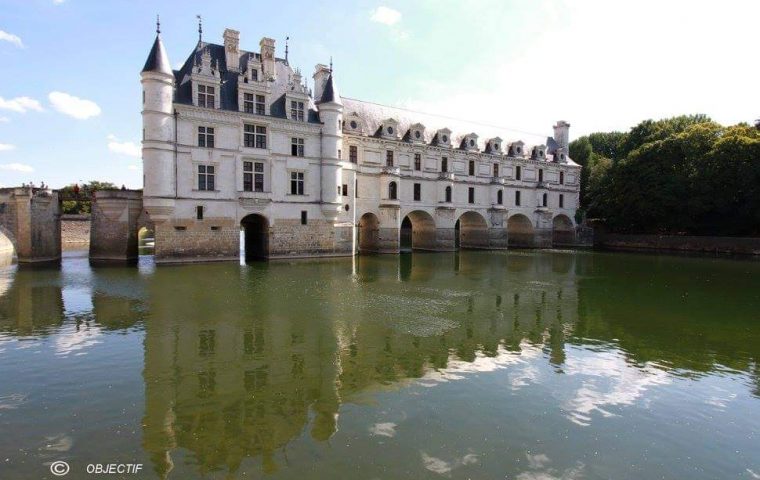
x: 681, y: 175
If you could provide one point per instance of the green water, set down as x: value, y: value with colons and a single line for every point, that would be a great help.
x: 520, y: 365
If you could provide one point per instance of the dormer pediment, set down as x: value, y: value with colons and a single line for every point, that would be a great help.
x: 538, y: 152
x: 493, y: 146
x: 389, y: 128
x: 517, y: 149
x: 469, y: 142
x: 353, y: 123
x: 442, y: 137
x: 416, y: 133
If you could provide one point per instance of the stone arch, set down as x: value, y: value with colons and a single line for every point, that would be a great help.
x: 8, y: 249
x: 418, y: 231
x: 255, y: 244
x: 471, y: 230
x: 563, y: 232
x: 369, y: 233
x: 520, y: 231
x: 146, y: 239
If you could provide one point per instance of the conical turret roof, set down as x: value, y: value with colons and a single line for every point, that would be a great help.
x: 157, y: 60
x: 330, y: 93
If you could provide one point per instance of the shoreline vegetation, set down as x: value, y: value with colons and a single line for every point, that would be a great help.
x: 681, y: 176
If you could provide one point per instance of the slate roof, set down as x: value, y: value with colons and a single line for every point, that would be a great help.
x: 373, y: 115
x: 228, y: 94
x: 157, y: 60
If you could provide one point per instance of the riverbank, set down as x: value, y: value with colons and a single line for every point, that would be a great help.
x: 75, y: 231
x: 677, y: 243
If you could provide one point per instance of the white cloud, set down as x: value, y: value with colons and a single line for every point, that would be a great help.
x: 123, y: 148
x: 4, y: 147
x: 385, y: 15
x: 11, y: 38
x: 72, y: 106
x: 383, y: 429
x: 16, y: 167
x: 4, y: 119
x: 58, y: 2
x: 20, y: 104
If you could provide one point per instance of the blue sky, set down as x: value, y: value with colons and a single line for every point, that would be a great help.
x: 70, y: 91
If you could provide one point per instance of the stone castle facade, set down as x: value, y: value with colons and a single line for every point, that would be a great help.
x: 234, y: 140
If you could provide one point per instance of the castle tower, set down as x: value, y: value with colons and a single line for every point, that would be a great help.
x: 159, y: 177
x: 330, y: 108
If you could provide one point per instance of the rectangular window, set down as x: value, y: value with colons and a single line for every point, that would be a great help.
x: 540, y: 174
x: 518, y: 173
x: 471, y: 195
x: 296, y: 110
x: 248, y: 102
x: 561, y: 178
x: 254, y: 75
x: 345, y: 190
x: 495, y: 169
x: 389, y: 158
x: 561, y: 201
x: 417, y: 161
x: 254, y: 136
x: 472, y: 167
x: 296, y: 183
x: 206, y: 177
x: 417, y: 192
x: 444, y: 164
x: 353, y: 154
x: 296, y: 147
x: 253, y: 177
x: 304, y: 218
x: 260, y: 104
x: 206, y: 137
x: 206, y: 96
x: 199, y: 212
x: 517, y: 196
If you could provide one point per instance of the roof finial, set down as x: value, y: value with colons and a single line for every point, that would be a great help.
x: 330, y: 63
x: 286, y: 49
x: 158, y: 25
x: 200, y: 28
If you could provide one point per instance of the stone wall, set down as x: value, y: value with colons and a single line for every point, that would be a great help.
x: 113, y: 229
x: 288, y: 238
x: 210, y: 239
x: 30, y: 220
x: 75, y: 231
x: 730, y: 245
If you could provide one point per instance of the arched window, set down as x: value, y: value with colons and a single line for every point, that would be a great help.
x: 392, y: 191
x: 500, y: 197
x: 546, y: 199
x: 448, y: 194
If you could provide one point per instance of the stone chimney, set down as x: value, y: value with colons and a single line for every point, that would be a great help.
x: 267, y: 58
x: 562, y: 134
x: 232, y: 49
x: 321, y: 73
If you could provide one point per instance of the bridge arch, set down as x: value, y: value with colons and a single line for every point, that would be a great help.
x: 8, y: 249
x: 255, y: 244
x: 471, y: 230
x: 563, y: 232
x: 520, y: 231
x: 418, y: 231
x: 369, y: 233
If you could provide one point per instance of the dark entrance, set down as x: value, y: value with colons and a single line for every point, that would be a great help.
x: 255, y: 237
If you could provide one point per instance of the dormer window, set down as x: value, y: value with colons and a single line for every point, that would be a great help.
x: 516, y: 149
x: 445, y: 138
x: 539, y: 152
x: 297, y: 110
x: 442, y: 138
x: 254, y: 75
x: 470, y: 142
x: 206, y: 96
x: 389, y: 129
x: 417, y: 134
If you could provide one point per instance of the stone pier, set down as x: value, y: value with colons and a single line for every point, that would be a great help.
x: 114, y: 226
x: 30, y: 224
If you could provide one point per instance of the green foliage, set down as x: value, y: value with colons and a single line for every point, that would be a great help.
x: 685, y: 174
x: 78, y: 202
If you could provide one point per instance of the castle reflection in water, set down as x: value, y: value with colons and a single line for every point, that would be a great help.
x: 240, y: 361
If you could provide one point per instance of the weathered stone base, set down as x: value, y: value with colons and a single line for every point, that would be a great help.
x: 290, y: 239
x: 211, y: 239
x: 113, y: 227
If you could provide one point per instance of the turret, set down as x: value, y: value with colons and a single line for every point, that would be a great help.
x: 330, y: 108
x: 157, y: 81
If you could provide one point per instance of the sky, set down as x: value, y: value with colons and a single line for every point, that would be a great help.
x: 70, y: 94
